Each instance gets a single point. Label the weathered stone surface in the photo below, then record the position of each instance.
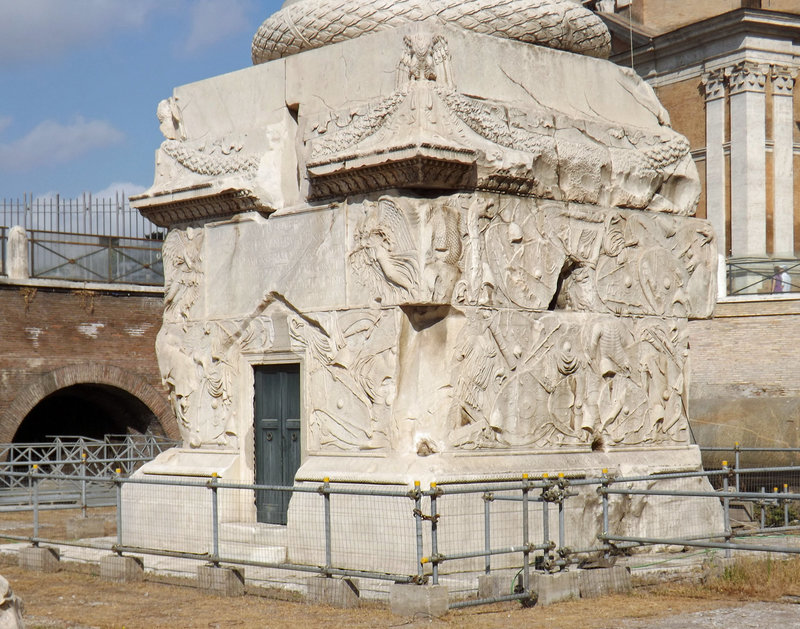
(604, 581)
(221, 581)
(418, 600)
(120, 568)
(335, 592)
(10, 607)
(41, 558)
(481, 254)
(554, 588)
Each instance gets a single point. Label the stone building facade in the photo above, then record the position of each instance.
(726, 72)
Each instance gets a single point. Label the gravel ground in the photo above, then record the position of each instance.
(748, 616)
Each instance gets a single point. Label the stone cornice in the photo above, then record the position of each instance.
(682, 44)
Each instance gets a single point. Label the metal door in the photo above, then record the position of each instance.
(277, 433)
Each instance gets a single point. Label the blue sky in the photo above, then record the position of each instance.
(80, 81)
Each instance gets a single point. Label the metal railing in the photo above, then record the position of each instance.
(87, 215)
(761, 275)
(95, 258)
(532, 511)
(78, 468)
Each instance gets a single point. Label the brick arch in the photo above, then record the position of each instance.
(87, 373)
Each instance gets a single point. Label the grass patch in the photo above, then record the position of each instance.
(746, 578)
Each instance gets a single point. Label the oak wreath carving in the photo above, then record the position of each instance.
(307, 24)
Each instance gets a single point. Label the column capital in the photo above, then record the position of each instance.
(714, 83)
(748, 76)
(783, 79)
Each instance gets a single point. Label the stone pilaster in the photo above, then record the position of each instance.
(716, 179)
(748, 159)
(782, 159)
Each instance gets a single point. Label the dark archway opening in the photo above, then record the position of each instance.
(87, 410)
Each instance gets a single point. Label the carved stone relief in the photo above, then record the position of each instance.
(522, 148)
(309, 24)
(408, 251)
(514, 252)
(183, 272)
(200, 364)
(351, 365)
(556, 380)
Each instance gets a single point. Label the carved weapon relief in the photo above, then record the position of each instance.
(351, 364)
(537, 255)
(550, 381)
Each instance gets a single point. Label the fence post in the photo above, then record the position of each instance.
(212, 485)
(562, 483)
(526, 577)
(726, 508)
(416, 494)
(83, 484)
(488, 498)
(736, 465)
(118, 482)
(785, 506)
(546, 521)
(604, 481)
(35, 475)
(434, 534)
(763, 510)
(326, 494)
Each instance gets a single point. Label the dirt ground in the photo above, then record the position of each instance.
(80, 600)
(77, 598)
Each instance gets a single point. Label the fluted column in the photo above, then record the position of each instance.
(748, 160)
(783, 160)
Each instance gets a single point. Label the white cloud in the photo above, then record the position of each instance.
(35, 29)
(125, 188)
(51, 142)
(212, 21)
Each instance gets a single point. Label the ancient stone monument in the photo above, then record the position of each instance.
(433, 240)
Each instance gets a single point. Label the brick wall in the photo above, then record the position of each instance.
(54, 337)
(745, 374)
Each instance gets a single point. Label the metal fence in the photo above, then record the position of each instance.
(422, 535)
(78, 469)
(760, 275)
(87, 240)
(87, 215)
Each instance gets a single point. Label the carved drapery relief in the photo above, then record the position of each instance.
(183, 272)
(200, 363)
(522, 149)
(351, 364)
(569, 380)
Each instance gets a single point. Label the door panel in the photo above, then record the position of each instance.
(277, 434)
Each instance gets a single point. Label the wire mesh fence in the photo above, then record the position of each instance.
(428, 534)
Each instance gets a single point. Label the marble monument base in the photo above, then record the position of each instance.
(378, 533)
